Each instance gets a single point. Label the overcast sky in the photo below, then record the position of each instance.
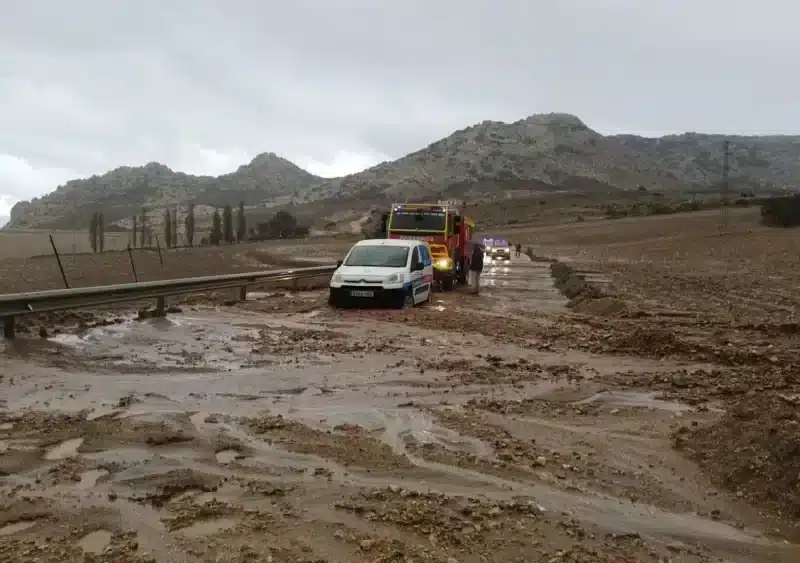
(339, 85)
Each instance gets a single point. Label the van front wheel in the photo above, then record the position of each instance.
(407, 301)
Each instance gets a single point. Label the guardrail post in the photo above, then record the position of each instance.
(9, 327)
(161, 307)
(243, 293)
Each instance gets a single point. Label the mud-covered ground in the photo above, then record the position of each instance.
(500, 428)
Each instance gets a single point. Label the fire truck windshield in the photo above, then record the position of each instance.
(418, 220)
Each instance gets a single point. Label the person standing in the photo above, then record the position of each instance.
(476, 267)
(519, 249)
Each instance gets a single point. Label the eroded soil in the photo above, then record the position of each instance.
(498, 428)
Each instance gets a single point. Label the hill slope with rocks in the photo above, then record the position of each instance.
(541, 152)
(125, 191)
(559, 150)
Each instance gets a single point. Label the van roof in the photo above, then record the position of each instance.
(388, 242)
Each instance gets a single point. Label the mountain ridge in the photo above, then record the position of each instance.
(539, 151)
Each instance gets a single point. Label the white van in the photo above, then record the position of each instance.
(394, 272)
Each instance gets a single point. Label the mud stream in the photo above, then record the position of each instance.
(197, 431)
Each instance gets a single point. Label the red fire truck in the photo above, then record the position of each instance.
(444, 227)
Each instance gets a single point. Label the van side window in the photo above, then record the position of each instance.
(415, 256)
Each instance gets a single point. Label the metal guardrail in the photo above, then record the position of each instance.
(18, 304)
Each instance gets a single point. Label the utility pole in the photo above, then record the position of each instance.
(725, 187)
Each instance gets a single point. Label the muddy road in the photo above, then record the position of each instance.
(473, 429)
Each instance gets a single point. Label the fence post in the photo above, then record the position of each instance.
(58, 259)
(133, 266)
(161, 306)
(158, 247)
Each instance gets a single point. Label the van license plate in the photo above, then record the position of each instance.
(362, 293)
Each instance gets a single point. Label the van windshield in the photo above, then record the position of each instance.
(383, 256)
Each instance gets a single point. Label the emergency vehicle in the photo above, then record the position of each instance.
(446, 230)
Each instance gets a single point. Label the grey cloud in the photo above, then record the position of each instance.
(88, 85)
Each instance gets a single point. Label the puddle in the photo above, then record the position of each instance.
(89, 478)
(208, 527)
(17, 526)
(96, 542)
(256, 295)
(226, 456)
(633, 399)
(198, 419)
(100, 412)
(64, 450)
(395, 427)
(311, 314)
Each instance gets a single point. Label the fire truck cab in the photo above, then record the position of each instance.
(446, 230)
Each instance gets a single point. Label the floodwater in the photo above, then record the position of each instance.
(95, 542)
(208, 527)
(89, 478)
(523, 283)
(194, 382)
(16, 527)
(633, 399)
(226, 456)
(64, 450)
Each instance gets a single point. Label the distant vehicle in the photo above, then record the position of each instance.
(497, 249)
(387, 272)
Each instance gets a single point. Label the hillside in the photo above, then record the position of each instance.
(547, 150)
(124, 191)
(541, 152)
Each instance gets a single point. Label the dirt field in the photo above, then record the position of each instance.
(646, 411)
(24, 243)
(41, 272)
(686, 263)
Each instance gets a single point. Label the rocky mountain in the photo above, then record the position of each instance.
(559, 150)
(125, 191)
(543, 151)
